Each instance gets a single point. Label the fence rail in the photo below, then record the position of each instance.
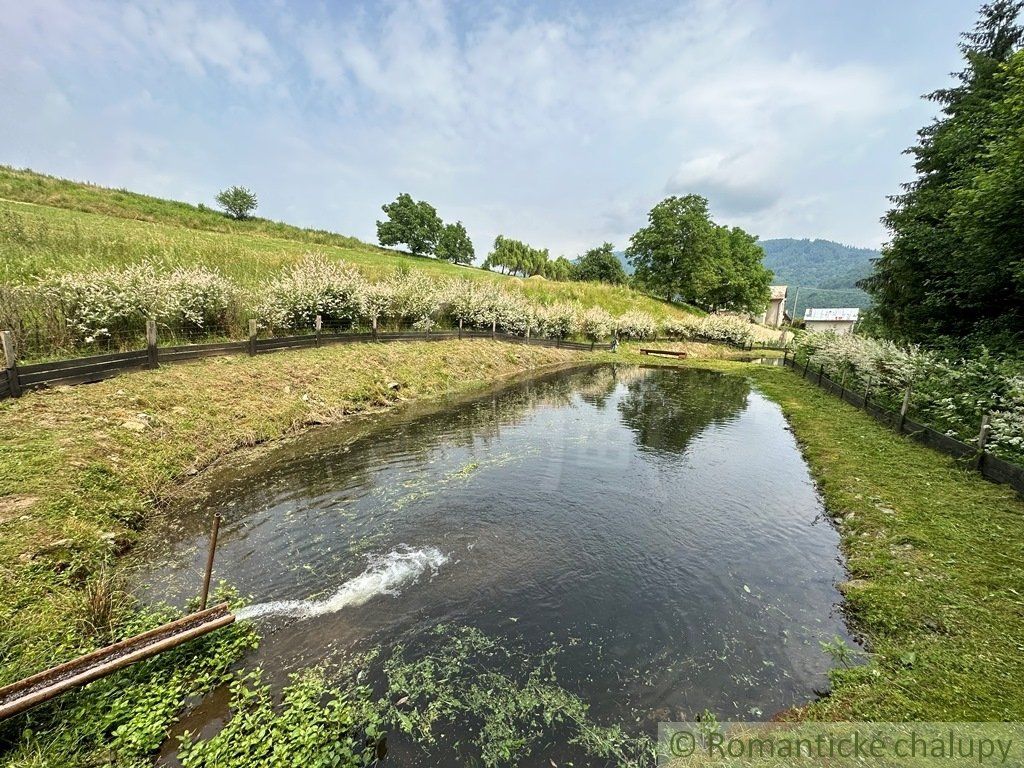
(991, 467)
(16, 378)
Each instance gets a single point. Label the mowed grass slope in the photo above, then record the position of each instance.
(49, 224)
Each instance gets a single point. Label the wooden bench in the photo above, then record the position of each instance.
(666, 352)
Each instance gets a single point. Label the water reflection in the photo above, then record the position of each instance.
(666, 411)
(659, 524)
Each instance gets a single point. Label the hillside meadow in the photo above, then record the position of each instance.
(54, 225)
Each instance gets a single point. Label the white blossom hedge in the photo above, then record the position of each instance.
(117, 302)
(114, 304)
(950, 394)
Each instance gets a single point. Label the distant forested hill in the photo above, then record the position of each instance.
(825, 271)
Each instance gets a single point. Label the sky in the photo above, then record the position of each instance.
(556, 123)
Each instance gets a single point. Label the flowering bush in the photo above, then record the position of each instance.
(559, 320)
(678, 328)
(950, 394)
(724, 328)
(117, 302)
(311, 287)
(597, 324)
(637, 325)
(479, 304)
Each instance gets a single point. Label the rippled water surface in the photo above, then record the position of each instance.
(661, 524)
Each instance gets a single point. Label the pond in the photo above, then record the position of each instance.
(658, 525)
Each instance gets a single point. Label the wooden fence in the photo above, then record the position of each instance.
(15, 378)
(991, 467)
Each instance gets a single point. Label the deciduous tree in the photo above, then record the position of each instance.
(237, 202)
(600, 265)
(454, 244)
(414, 224)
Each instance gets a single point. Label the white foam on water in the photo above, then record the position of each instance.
(384, 575)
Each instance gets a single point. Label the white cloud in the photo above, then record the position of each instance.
(560, 127)
(519, 104)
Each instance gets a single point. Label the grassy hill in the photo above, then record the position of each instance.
(825, 271)
(51, 224)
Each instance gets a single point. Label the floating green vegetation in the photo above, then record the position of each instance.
(346, 730)
(506, 700)
(510, 699)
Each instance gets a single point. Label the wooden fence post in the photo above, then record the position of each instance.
(821, 372)
(903, 410)
(460, 328)
(807, 364)
(209, 562)
(11, 364)
(374, 328)
(867, 393)
(151, 353)
(785, 358)
(494, 328)
(318, 324)
(842, 387)
(252, 337)
(982, 442)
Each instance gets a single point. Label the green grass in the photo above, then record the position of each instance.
(49, 224)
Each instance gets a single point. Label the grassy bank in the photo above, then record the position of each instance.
(935, 556)
(936, 561)
(86, 467)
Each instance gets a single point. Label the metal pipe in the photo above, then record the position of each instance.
(209, 562)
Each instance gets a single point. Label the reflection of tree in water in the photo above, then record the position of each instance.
(667, 409)
(598, 385)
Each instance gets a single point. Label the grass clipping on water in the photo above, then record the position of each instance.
(511, 700)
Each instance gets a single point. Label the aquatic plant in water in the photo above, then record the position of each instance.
(512, 697)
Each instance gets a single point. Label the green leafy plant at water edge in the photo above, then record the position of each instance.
(122, 720)
(512, 698)
(344, 731)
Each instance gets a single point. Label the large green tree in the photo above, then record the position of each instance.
(740, 280)
(672, 255)
(952, 267)
(683, 254)
(454, 244)
(600, 265)
(559, 269)
(414, 224)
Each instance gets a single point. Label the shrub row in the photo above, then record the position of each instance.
(952, 394)
(83, 309)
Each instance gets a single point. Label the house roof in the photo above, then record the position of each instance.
(842, 314)
(778, 292)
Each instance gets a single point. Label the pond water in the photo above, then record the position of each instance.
(659, 524)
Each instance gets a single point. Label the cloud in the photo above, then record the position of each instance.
(192, 37)
(741, 183)
(560, 125)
